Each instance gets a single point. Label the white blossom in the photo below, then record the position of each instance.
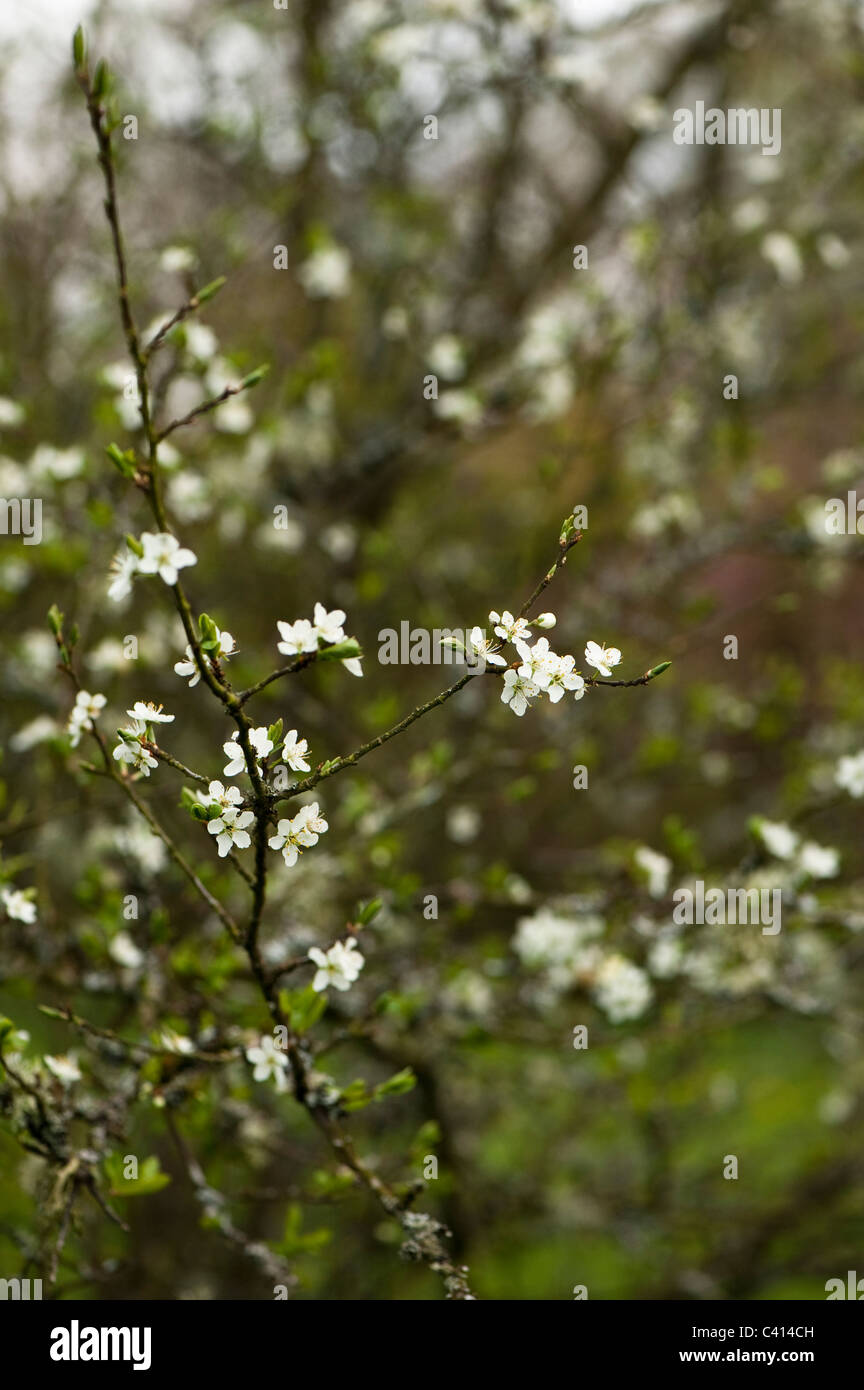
(818, 861)
(124, 567)
(86, 708)
(164, 555)
(602, 658)
(484, 648)
(328, 626)
(230, 830)
(518, 691)
(539, 663)
(269, 1062)
(294, 751)
(510, 628)
(174, 1042)
(657, 867)
(123, 949)
(339, 967)
(849, 774)
(65, 1069)
(622, 990)
(218, 795)
(149, 713)
(18, 905)
(545, 620)
(133, 752)
(326, 274)
(565, 678)
(297, 637)
(260, 742)
(778, 838)
(175, 259)
(298, 834)
(189, 666)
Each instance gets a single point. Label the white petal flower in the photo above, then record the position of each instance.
(294, 751)
(259, 741)
(328, 626)
(510, 628)
(164, 555)
(484, 648)
(269, 1062)
(217, 795)
(849, 774)
(339, 967)
(123, 949)
(230, 829)
(539, 663)
(87, 707)
(297, 637)
(778, 839)
(188, 667)
(546, 620)
(602, 658)
(326, 274)
(149, 713)
(621, 989)
(565, 678)
(818, 861)
(134, 753)
(518, 692)
(124, 567)
(657, 868)
(175, 259)
(65, 1069)
(18, 905)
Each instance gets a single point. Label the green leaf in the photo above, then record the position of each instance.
(254, 377)
(294, 1242)
(303, 1007)
(274, 733)
(101, 79)
(55, 620)
(340, 650)
(150, 1177)
(397, 1085)
(366, 913)
(210, 290)
(124, 462)
(355, 1096)
(79, 48)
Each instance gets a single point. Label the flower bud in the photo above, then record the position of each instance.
(545, 620)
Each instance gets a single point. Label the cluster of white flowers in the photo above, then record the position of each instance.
(567, 950)
(622, 990)
(849, 774)
(261, 743)
(18, 904)
(131, 748)
(85, 710)
(324, 630)
(339, 967)
(299, 833)
(162, 554)
(810, 860)
(230, 826)
(189, 666)
(542, 671)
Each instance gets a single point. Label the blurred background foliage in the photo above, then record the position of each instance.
(304, 128)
